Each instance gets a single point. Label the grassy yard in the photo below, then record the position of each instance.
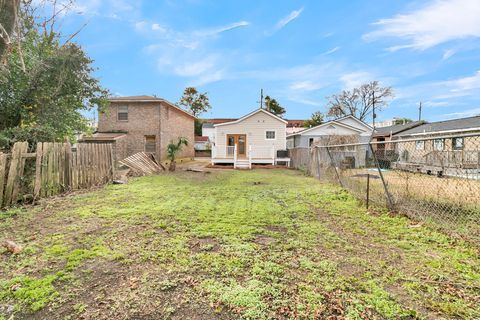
(258, 244)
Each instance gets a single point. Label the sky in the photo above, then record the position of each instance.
(298, 52)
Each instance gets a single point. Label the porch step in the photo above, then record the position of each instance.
(243, 164)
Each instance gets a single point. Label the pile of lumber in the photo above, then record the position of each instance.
(142, 163)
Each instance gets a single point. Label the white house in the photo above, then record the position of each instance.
(254, 138)
(348, 126)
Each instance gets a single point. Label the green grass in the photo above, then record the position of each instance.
(255, 244)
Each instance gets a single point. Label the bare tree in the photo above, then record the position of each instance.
(359, 101)
(8, 20)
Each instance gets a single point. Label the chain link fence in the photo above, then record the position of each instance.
(435, 180)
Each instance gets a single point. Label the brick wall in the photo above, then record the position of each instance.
(177, 124)
(149, 119)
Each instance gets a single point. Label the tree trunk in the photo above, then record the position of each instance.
(173, 166)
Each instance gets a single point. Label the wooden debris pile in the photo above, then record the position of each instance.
(142, 163)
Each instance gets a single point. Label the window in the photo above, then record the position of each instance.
(420, 145)
(122, 114)
(270, 135)
(438, 144)
(310, 142)
(381, 146)
(150, 144)
(457, 143)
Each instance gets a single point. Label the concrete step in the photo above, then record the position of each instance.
(243, 164)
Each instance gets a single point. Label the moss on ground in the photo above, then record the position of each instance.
(252, 244)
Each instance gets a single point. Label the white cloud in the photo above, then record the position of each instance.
(326, 53)
(463, 114)
(461, 87)
(218, 30)
(443, 93)
(209, 77)
(305, 86)
(448, 54)
(188, 54)
(354, 79)
(195, 68)
(285, 20)
(308, 102)
(438, 22)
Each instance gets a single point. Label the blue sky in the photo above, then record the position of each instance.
(299, 52)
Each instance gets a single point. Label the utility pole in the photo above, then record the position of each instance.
(420, 111)
(261, 98)
(373, 109)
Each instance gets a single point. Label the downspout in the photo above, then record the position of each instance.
(160, 132)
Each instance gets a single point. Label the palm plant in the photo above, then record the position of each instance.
(173, 149)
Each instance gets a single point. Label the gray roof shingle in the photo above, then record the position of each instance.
(448, 125)
(397, 128)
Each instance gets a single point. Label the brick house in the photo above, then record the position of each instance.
(148, 123)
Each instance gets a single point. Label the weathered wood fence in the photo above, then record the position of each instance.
(55, 168)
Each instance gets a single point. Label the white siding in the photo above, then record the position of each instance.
(254, 127)
(356, 124)
(210, 133)
(331, 129)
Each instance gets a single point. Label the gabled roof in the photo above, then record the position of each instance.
(219, 120)
(455, 125)
(295, 123)
(366, 125)
(145, 98)
(397, 128)
(201, 138)
(251, 114)
(336, 122)
(208, 123)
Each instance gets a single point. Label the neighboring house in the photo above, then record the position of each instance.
(202, 143)
(254, 138)
(343, 130)
(294, 126)
(346, 126)
(442, 147)
(148, 123)
(386, 134)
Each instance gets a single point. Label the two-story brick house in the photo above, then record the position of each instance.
(148, 123)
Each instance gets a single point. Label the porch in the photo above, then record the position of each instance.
(243, 157)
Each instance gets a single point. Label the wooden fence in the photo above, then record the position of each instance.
(54, 169)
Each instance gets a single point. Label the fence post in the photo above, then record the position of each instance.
(68, 165)
(15, 172)
(377, 164)
(368, 189)
(318, 161)
(38, 171)
(3, 166)
(334, 166)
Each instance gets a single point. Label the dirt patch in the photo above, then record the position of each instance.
(204, 244)
(263, 240)
(275, 228)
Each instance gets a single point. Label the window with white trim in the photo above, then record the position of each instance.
(122, 113)
(457, 143)
(420, 145)
(438, 144)
(270, 135)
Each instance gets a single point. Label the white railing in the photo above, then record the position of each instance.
(234, 156)
(262, 152)
(223, 152)
(253, 153)
(250, 156)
